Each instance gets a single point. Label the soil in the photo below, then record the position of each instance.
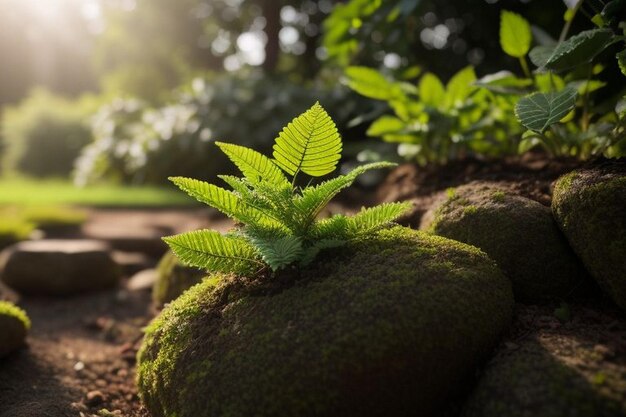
(80, 357)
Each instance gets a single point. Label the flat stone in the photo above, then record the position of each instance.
(133, 262)
(60, 267)
(142, 280)
(146, 241)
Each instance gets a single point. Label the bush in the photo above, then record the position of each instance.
(139, 144)
(44, 134)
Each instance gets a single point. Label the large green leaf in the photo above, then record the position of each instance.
(431, 90)
(540, 110)
(371, 83)
(579, 49)
(310, 143)
(213, 251)
(504, 82)
(539, 55)
(385, 125)
(515, 34)
(459, 87)
(255, 166)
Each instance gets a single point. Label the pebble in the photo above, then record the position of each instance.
(94, 398)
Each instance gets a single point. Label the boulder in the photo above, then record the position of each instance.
(572, 370)
(590, 208)
(389, 326)
(518, 233)
(60, 267)
(14, 325)
(173, 278)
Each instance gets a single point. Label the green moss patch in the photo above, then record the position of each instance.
(14, 325)
(387, 326)
(518, 233)
(590, 208)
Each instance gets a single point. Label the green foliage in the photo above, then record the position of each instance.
(277, 221)
(45, 133)
(579, 49)
(539, 111)
(433, 122)
(515, 35)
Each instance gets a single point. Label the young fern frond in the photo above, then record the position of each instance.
(310, 143)
(278, 224)
(371, 219)
(255, 166)
(213, 251)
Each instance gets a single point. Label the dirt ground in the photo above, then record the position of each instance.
(80, 358)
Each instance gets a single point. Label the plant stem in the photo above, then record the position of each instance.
(525, 68)
(568, 24)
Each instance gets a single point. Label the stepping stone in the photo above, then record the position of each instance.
(146, 241)
(133, 262)
(142, 280)
(60, 267)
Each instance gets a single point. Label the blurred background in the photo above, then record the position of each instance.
(103, 94)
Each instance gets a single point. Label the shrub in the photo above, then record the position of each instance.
(277, 219)
(45, 133)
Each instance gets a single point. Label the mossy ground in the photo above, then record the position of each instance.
(518, 233)
(589, 206)
(388, 326)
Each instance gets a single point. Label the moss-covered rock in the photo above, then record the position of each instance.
(518, 233)
(590, 207)
(14, 325)
(173, 279)
(389, 326)
(551, 375)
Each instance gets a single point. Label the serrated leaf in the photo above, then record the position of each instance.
(431, 90)
(370, 83)
(538, 111)
(310, 143)
(213, 251)
(279, 252)
(515, 34)
(539, 55)
(312, 251)
(255, 166)
(373, 218)
(384, 125)
(579, 49)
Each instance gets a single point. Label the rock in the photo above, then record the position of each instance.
(14, 325)
(552, 374)
(142, 280)
(94, 398)
(518, 233)
(60, 267)
(590, 207)
(390, 326)
(173, 279)
(133, 262)
(147, 241)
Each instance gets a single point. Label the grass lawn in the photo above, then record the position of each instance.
(24, 191)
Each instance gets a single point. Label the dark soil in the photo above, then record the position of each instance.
(531, 176)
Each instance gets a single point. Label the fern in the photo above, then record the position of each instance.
(277, 221)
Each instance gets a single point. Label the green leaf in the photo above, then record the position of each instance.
(431, 90)
(515, 34)
(212, 251)
(219, 198)
(579, 49)
(621, 61)
(279, 252)
(539, 55)
(384, 125)
(538, 111)
(310, 143)
(312, 251)
(504, 82)
(314, 199)
(371, 83)
(255, 166)
(373, 218)
(459, 88)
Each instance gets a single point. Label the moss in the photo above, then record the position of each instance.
(14, 325)
(519, 234)
(589, 207)
(173, 279)
(355, 334)
(550, 375)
